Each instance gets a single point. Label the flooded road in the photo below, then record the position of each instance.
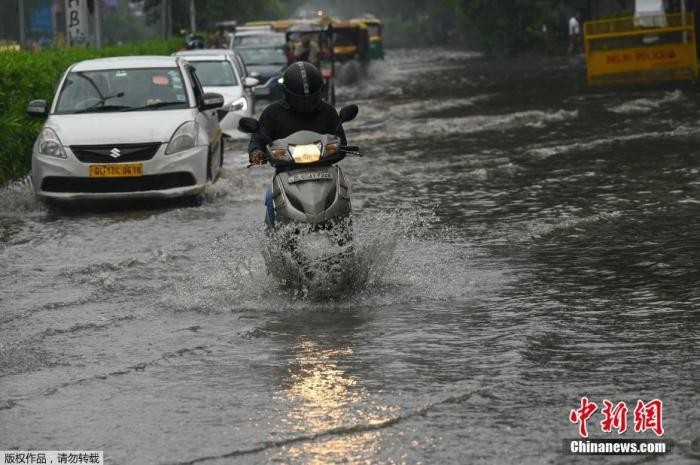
(523, 241)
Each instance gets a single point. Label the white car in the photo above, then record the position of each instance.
(127, 127)
(222, 71)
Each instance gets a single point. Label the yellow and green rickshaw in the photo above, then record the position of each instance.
(375, 30)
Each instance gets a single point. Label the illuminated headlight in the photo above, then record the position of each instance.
(280, 81)
(240, 104)
(49, 144)
(184, 137)
(306, 153)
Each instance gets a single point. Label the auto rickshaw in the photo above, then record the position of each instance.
(350, 41)
(322, 34)
(375, 29)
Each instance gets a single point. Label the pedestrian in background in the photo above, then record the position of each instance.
(307, 50)
(575, 33)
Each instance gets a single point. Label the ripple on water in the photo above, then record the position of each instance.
(606, 141)
(425, 127)
(646, 104)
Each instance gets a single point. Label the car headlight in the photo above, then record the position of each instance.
(280, 81)
(49, 144)
(240, 104)
(184, 137)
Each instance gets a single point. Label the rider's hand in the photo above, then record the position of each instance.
(257, 157)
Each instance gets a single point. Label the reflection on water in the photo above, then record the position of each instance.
(324, 399)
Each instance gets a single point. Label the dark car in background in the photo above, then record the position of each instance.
(264, 52)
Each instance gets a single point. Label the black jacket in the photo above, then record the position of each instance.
(278, 121)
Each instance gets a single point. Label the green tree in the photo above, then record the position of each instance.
(211, 11)
(507, 26)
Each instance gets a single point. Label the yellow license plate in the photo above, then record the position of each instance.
(122, 170)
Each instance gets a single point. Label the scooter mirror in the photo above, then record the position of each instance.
(348, 113)
(249, 125)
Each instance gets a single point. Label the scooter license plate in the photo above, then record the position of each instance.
(312, 176)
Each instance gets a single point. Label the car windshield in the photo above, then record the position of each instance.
(217, 73)
(259, 40)
(122, 89)
(263, 56)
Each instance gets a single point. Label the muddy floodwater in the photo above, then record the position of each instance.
(522, 241)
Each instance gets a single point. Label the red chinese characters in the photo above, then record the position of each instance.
(648, 416)
(582, 415)
(614, 417)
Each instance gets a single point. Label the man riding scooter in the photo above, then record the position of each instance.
(301, 109)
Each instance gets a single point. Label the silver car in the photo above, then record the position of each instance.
(222, 71)
(127, 127)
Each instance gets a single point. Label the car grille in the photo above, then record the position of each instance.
(107, 185)
(125, 152)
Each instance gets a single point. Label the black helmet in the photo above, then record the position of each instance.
(194, 42)
(302, 84)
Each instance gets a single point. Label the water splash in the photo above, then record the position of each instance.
(18, 199)
(236, 275)
(342, 269)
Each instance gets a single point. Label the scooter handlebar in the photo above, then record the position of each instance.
(344, 149)
(350, 150)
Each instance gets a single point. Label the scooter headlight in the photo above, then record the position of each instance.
(309, 153)
(49, 144)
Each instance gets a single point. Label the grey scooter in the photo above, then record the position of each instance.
(308, 188)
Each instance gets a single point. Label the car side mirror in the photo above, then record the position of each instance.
(254, 74)
(38, 108)
(348, 113)
(249, 125)
(211, 100)
(250, 81)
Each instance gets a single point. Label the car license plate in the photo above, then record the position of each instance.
(312, 176)
(121, 170)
